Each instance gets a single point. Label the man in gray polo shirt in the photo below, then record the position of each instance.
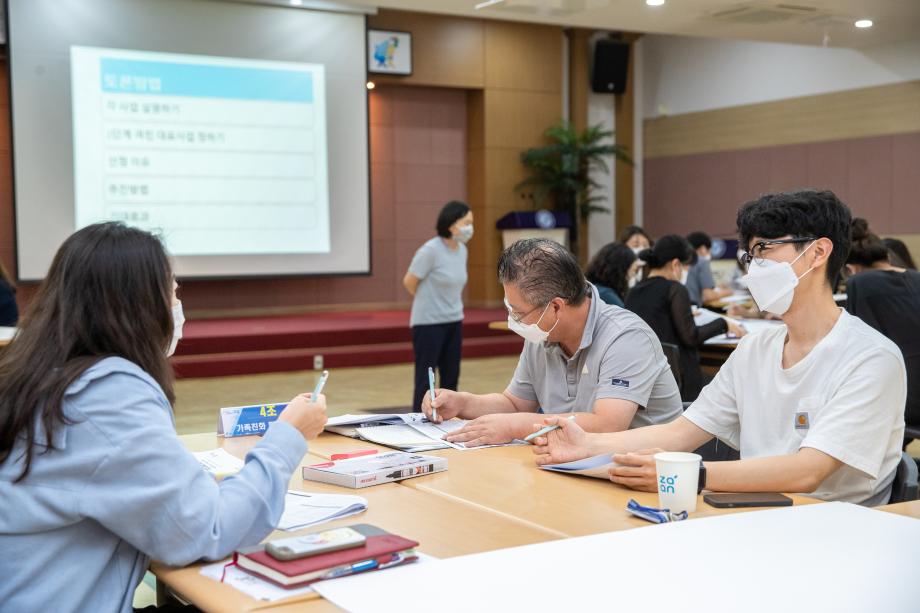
(582, 357)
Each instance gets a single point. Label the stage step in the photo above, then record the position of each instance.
(293, 359)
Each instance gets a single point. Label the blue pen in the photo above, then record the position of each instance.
(351, 570)
(544, 430)
(319, 385)
(434, 411)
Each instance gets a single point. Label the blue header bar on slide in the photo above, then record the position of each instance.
(205, 81)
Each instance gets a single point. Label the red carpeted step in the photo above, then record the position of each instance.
(211, 336)
(281, 360)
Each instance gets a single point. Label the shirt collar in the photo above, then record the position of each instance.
(587, 337)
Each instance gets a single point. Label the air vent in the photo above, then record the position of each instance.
(763, 13)
(546, 8)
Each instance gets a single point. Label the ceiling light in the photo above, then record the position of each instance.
(654, 2)
(296, 2)
(863, 23)
(487, 3)
(370, 85)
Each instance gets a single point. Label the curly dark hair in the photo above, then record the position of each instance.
(610, 267)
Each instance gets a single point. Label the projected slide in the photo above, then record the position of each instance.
(223, 156)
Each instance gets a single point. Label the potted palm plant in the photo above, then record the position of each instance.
(561, 171)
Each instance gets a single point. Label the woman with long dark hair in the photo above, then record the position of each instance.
(93, 479)
(664, 303)
(887, 297)
(435, 279)
(613, 270)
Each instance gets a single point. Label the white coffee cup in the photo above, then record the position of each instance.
(678, 477)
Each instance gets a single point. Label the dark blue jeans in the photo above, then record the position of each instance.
(437, 346)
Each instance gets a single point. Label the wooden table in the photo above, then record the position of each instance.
(910, 509)
(487, 499)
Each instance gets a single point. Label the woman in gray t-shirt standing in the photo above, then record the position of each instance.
(436, 278)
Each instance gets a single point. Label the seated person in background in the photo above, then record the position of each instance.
(887, 298)
(663, 302)
(635, 238)
(581, 357)
(9, 311)
(613, 270)
(815, 406)
(700, 284)
(93, 479)
(899, 254)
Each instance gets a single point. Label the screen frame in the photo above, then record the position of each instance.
(207, 277)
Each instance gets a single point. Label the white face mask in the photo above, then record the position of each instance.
(638, 250)
(632, 281)
(684, 275)
(464, 234)
(529, 332)
(706, 258)
(772, 284)
(178, 321)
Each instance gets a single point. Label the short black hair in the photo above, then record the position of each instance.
(630, 231)
(699, 239)
(450, 213)
(667, 248)
(865, 247)
(799, 213)
(542, 270)
(610, 267)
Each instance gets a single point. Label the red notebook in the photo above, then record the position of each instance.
(382, 550)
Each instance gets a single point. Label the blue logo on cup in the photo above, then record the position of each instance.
(666, 484)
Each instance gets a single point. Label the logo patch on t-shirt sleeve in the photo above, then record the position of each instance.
(619, 383)
(801, 421)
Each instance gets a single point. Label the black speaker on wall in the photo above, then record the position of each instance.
(610, 67)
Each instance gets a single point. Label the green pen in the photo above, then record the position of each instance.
(434, 411)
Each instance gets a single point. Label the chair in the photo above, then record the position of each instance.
(905, 486)
(672, 353)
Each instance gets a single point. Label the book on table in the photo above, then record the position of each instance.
(374, 469)
(381, 550)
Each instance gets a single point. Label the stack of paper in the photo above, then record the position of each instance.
(410, 432)
(302, 509)
(219, 463)
(597, 467)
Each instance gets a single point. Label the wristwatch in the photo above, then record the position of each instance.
(701, 484)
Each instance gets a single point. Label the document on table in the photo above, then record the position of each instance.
(752, 326)
(252, 586)
(853, 559)
(218, 462)
(597, 467)
(302, 509)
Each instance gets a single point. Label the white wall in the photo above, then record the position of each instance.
(684, 75)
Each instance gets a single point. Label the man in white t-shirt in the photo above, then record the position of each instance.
(815, 406)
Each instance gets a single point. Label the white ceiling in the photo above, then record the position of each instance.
(792, 21)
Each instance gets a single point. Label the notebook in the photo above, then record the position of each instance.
(302, 509)
(597, 467)
(382, 550)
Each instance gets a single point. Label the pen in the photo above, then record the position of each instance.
(319, 385)
(434, 411)
(544, 430)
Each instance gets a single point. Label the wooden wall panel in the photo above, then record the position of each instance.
(877, 177)
(523, 57)
(872, 111)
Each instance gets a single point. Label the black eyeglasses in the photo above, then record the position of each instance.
(756, 252)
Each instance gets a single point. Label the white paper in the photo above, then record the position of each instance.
(735, 298)
(701, 317)
(753, 326)
(252, 586)
(354, 582)
(7, 333)
(218, 462)
(401, 437)
(302, 509)
(597, 467)
(351, 420)
(833, 557)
